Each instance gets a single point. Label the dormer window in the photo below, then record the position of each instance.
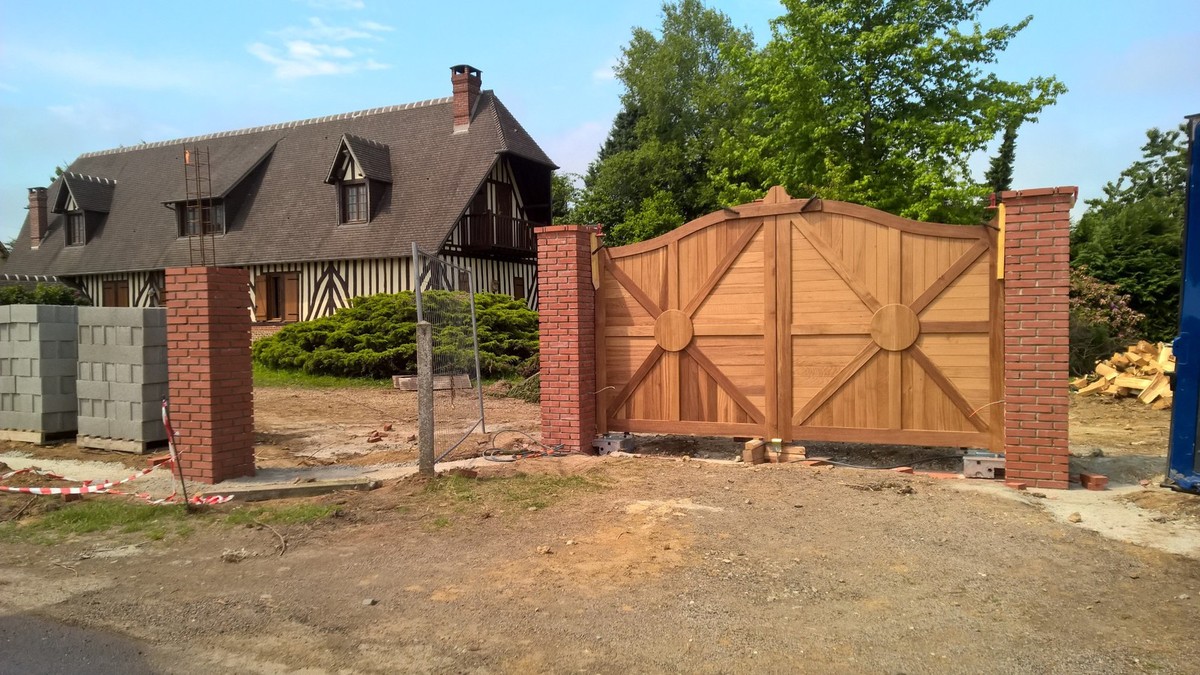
(194, 220)
(76, 229)
(355, 203)
(362, 174)
(84, 202)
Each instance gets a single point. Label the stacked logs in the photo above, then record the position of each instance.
(1142, 370)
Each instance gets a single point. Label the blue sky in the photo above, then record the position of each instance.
(82, 76)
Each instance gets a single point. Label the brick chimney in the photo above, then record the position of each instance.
(39, 216)
(466, 81)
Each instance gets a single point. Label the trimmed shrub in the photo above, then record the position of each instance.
(42, 294)
(376, 336)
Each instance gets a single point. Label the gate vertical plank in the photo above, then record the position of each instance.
(783, 329)
(996, 346)
(602, 390)
(671, 359)
(771, 326)
(897, 263)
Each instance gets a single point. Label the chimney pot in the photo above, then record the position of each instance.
(39, 216)
(466, 82)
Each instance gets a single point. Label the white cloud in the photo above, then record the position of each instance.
(300, 58)
(319, 30)
(115, 69)
(314, 49)
(606, 72)
(375, 26)
(336, 4)
(576, 147)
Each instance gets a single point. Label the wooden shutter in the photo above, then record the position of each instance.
(291, 296)
(518, 288)
(108, 294)
(122, 291)
(260, 297)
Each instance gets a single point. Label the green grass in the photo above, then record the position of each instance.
(272, 377)
(294, 514)
(100, 515)
(526, 491)
(541, 491)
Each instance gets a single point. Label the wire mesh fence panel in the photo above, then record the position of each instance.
(446, 300)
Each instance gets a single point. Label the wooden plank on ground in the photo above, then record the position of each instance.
(1159, 385)
(1093, 388)
(1131, 382)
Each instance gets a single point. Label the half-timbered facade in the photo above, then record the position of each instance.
(316, 211)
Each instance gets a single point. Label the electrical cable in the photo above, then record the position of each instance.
(497, 454)
(925, 460)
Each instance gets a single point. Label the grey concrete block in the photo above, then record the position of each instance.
(92, 389)
(28, 385)
(125, 392)
(59, 404)
(93, 426)
(22, 367)
(23, 313)
(148, 431)
(8, 384)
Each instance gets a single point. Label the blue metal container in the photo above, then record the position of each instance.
(1183, 463)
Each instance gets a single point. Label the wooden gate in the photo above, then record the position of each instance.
(804, 320)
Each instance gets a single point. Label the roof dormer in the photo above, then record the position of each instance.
(85, 200)
(361, 171)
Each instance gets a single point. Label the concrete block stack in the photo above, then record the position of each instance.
(122, 377)
(37, 372)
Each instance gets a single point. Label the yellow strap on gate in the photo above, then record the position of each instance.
(1000, 241)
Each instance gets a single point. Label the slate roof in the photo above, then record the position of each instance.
(91, 193)
(373, 158)
(278, 207)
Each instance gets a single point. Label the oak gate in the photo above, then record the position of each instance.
(804, 319)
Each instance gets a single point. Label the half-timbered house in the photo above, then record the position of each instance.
(316, 211)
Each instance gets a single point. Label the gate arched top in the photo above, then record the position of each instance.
(799, 207)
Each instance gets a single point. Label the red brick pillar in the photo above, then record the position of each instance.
(566, 302)
(1037, 255)
(208, 361)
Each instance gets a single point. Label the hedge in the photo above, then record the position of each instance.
(376, 336)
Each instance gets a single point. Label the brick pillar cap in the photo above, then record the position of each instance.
(550, 229)
(1012, 195)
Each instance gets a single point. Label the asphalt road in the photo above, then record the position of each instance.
(31, 645)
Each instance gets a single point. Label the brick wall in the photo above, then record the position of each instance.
(1036, 289)
(568, 336)
(211, 387)
(261, 330)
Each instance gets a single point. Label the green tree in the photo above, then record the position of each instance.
(880, 103)
(1000, 171)
(680, 90)
(564, 195)
(1133, 236)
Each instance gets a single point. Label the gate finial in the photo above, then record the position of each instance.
(777, 195)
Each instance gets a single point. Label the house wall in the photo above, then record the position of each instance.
(145, 288)
(501, 173)
(326, 286)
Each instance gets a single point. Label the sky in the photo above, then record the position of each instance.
(82, 76)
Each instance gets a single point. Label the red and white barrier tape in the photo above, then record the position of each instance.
(103, 487)
(86, 486)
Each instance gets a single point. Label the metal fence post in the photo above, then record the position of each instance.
(425, 397)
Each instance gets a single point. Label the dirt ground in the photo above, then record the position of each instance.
(663, 563)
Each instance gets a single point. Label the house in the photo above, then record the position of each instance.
(316, 211)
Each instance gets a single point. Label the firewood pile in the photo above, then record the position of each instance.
(1142, 370)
